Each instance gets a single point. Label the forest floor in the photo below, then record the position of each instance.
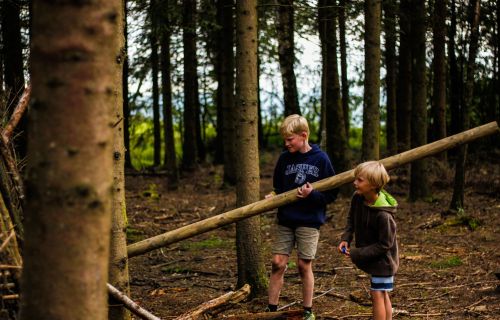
(448, 265)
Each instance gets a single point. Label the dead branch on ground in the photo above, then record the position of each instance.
(131, 305)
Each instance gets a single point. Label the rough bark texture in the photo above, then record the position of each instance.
(336, 137)
(189, 145)
(70, 167)
(153, 16)
(419, 184)
(118, 260)
(390, 78)
(170, 158)
(371, 104)
(457, 201)
(286, 54)
(455, 77)
(404, 77)
(343, 66)
(439, 66)
(251, 268)
(225, 90)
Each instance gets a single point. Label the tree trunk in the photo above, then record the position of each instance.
(251, 268)
(371, 105)
(457, 201)
(404, 107)
(336, 138)
(343, 66)
(225, 74)
(419, 185)
(190, 143)
(455, 78)
(390, 78)
(126, 106)
(286, 48)
(170, 159)
(439, 64)
(118, 260)
(153, 15)
(70, 170)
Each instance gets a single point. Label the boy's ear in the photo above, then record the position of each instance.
(303, 134)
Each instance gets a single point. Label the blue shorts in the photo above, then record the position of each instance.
(382, 283)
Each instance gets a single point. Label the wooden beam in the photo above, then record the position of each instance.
(264, 205)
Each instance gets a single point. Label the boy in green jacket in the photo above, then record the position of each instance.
(371, 223)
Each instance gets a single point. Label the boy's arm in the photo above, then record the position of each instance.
(347, 236)
(387, 238)
(327, 196)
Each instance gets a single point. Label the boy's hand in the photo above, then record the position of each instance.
(305, 190)
(344, 248)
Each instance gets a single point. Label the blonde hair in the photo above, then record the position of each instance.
(294, 124)
(374, 172)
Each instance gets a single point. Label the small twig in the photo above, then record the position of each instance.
(6, 241)
(131, 305)
(10, 297)
(320, 295)
(17, 114)
(6, 266)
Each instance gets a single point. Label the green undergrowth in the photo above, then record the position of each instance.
(447, 263)
(134, 235)
(211, 243)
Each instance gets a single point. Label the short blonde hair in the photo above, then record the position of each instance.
(294, 124)
(374, 172)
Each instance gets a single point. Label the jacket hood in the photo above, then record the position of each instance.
(385, 202)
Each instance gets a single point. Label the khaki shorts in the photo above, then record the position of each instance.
(303, 238)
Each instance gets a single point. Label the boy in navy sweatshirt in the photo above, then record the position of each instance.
(298, 223)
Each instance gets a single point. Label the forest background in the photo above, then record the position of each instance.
(374, 78)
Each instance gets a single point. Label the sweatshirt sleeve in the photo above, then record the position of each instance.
(387, 237)
(278, 176)
(348, 234)
(328, 196)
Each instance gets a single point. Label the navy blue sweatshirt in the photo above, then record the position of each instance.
(294, 170)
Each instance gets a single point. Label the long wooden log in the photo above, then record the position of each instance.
(18, 113)
(264, 205)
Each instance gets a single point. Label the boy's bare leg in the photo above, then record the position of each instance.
(388, 306)
(279, 263)
(378, 300)
(307, 277)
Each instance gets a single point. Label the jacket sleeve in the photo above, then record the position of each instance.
(348, 234)
(328, 196)
(278, 177)
(386, 239)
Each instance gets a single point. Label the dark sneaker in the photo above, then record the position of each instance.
(308, 315)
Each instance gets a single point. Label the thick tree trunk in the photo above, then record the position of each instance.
(343, 66)
(126, 108)
(190, 143)
(225, 73)
(371, 114)
(457, 201)
(419, 184)
(251, 267)
(153, 16)
(390, 78)
(336, 137)
(286, 54)
(455, 78)
(264, 205)
(404, 107)
(170, 158)
(118, 260)
(70, 168)
(439, 64)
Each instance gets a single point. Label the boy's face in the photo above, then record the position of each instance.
(363, 186)
(296, 142)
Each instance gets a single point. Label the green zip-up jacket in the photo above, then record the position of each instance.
(374, 230)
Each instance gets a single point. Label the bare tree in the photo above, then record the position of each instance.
(70, 167)
(251, 267)
(390, 78)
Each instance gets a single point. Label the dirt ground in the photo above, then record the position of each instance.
(448, 265)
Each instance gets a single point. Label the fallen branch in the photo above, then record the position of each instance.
(6, 241)
(217, 305)
(21, 107)
(280, 315)
(131, 305)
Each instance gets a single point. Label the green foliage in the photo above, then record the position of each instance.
(211, 243)
(291, 265)
(447, 263)
(175, 269)
(463, 219)
(151, 192)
